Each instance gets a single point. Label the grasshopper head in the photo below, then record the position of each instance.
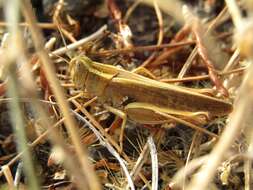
(79, 70)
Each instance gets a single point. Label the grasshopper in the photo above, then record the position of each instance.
(144, 100)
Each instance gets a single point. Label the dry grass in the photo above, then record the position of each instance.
(63, 132)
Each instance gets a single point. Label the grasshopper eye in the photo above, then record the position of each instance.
(78, 73)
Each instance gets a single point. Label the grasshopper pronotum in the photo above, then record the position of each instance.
(144, 100)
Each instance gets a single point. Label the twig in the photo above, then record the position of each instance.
(43, 79)
(160, 34)
(34, 143)
(248, 174)
(105, 143)
(18, 174)
(68, 158)
(58, 22)
(19, 126)
(70, 124)
(194, 52)
(172, 8)
(57, 184)
(182, 33)
(197, 30)
(8, 176)
(140, 161)
(58, 8)
(108, 137)
(79, 43)
(235, 13)
(176, 181)
(236, 124)
(124, 32)
(203, 77)
(232, 61)
(12, 57)
(37, 140)
(49, 26)
(131, 9)
(141, 48)
(154, 159)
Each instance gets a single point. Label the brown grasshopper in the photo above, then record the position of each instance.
(142, 99)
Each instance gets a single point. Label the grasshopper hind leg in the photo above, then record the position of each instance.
(150, 114)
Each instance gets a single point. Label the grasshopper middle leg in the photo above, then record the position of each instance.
(123, 116)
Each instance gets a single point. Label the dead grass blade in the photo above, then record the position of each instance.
(237, 120)
(49, 71)
(202, 50)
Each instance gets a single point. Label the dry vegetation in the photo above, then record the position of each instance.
(60, 128)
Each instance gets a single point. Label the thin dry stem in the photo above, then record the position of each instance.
(194, 52)
(176, 181)
(160, 34)
(182, 33)
(131, 9)
(142, 48)
(172, 8)
(140, 161)
(79, 43)
(236, 123)
(49, 71)
(154, 160)
(49, 26)
(37, 141)
(124, 32)
(204, 77)
(8, 177)
(107, 136)
(58, 22)
(13, 57)
(247, 174)
(188, 158)
(235, 13)
(202, 50)
(19, 126)
(18, 174)
(110, 148)
(233, 61)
